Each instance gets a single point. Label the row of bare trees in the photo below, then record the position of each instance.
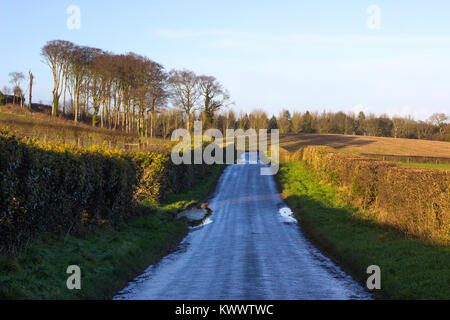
(126, 91)
(16, 79)
(435, 127)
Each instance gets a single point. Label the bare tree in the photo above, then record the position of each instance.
(96, 76)
(16, 79)
(31, 77)
(258, 119)
(77, 70)
(297, 122)
(186, 92)
(18, 93)
(230, 122)
(285, 122)
(215, 97)
(158, 92)
(6, 92)
(56, 55)
(439, 120)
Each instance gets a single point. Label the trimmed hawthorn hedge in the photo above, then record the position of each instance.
(159, 177)
(58, 189)
(415, 201)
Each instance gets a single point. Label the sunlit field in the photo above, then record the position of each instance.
(368, 145)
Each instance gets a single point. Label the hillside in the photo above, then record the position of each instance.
(41, 126)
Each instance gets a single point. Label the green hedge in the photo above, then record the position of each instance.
(58, 189)
(159, 177)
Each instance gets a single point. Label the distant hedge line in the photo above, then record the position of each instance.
(415, 201)
(57, 189)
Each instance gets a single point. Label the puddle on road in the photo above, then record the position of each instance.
(306, 274)
(204, 223)
(248, 158)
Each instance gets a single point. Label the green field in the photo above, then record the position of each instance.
(444, 166)
(410, 269)
(108, 258)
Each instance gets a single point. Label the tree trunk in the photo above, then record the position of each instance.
(31, 90)
(55, 104)
(64, 97)
(188, 121)
(76, 103)
(102, 111)
(151, 124)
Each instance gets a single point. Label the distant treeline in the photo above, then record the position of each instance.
(134, 94)
(12, 99)
(435, 128)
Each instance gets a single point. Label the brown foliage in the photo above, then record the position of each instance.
(415, 201)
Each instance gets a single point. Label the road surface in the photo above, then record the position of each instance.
(250, 249)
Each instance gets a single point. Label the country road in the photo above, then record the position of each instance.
(250, 249)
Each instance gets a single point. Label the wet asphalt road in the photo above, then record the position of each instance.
(251, 249)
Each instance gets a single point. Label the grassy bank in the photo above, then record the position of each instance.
(59, 130)
(108, 259)
(410, 269)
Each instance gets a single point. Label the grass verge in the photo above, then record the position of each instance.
(410, 269)
(443, 166)
(108, 260)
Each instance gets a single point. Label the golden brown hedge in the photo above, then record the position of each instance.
(415, 201)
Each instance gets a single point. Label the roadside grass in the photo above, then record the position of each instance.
(410, 269)
(443, 166)
(108, 259)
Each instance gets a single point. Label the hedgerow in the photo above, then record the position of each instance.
(2, 99)
(415, 201)
(159, 177)
(60, 189)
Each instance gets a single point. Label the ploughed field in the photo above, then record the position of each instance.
(368, 145)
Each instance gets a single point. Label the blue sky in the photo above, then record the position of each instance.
(299, 55)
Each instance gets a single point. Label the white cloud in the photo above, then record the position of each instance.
(303, 37)
(405, 111)
(227, 43)
(186, 34)
(301, 71)
(358, 108)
